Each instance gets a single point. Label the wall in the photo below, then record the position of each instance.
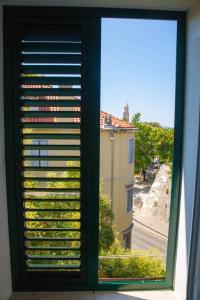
(190, 144)
(114, 163)
(189, 161)
(146, 4)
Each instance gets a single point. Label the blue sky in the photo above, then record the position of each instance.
(138, 62)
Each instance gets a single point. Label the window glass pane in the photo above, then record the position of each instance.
(138, 63)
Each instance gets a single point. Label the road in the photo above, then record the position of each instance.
(143, 238)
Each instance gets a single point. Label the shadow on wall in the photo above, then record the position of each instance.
(192, 108)
(76, 296)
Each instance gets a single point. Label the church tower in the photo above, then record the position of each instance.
(126, 113)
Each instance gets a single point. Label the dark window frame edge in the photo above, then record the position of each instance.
(180, 17)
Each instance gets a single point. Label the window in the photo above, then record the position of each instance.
(52, 61)
(131, 150)
(129, 200)
(39, 152)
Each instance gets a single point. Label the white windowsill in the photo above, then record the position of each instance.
(136, 295)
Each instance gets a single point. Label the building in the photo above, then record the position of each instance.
(126, 113)
(117, 170)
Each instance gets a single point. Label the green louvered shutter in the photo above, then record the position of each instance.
(50, 105)
(51, 157)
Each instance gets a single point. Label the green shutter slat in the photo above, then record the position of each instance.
(50, 103)
(43, 248)
(51, 47)
(50, 266)
(50, 114)
(51, 58)
(49, 69)
(53, 239)
(50, 92)
(51, 80)
(52, 169)
(60, 179)
(51, 200)
(49, 136)
(72, 35)
(51, 210)
(52, 229)
(51, 147)
(53, 257)
(51, 125)
(52, 220)
(64, 190)
(51, 158)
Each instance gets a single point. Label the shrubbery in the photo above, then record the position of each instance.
(116, 261)
(135, 265)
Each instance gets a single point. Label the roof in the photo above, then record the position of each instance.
(107, 121)
(115, 122)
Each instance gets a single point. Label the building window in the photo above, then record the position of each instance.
(41, 151)
(53, 206)
(129, 200)
(131, 149)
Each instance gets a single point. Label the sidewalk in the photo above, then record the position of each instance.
(151, 202)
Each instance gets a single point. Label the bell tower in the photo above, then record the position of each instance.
(126, 113)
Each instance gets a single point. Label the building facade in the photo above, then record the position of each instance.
(117, 140)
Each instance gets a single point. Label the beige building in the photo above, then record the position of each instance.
(117, 143)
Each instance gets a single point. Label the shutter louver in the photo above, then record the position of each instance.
(50, 121)
(52, 96)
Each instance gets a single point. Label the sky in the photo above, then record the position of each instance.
(138, 61)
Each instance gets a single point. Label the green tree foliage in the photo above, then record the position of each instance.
(165, 145)
(136, 118)
(152, 140)
(106, 229)
(145, 147)
(116, 261)
(130, 263)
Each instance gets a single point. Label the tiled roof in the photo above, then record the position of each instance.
(40, 108)
(76, 108)
(116, 122)
(104, 116)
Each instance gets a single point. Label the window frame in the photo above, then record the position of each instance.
(16, 12)
(131, 150)
(129, 206)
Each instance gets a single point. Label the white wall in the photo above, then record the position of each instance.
(192, 109)
(189, 164)
(146, 4)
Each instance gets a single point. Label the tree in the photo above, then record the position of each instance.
(145, 149)
(136, 118)
(132, 264)
(107, 233)
(106, 230)
(152, 140)
(166, 145)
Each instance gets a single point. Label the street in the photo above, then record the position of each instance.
(143, 239)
